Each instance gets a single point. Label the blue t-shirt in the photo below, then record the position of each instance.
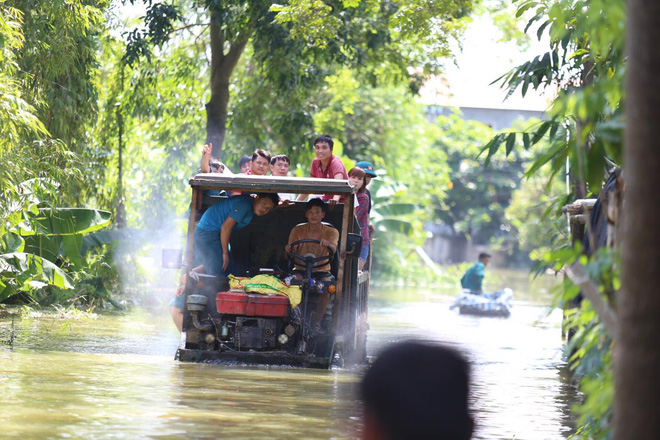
(473, 277)
(239, 208)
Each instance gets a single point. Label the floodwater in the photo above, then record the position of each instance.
(114, 377)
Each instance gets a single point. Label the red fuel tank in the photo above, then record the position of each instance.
(251, 304)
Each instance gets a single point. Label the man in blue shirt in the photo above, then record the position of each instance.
(212, 238)
(474, 276)
(214, 229)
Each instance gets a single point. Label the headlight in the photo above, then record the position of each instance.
(282, 339)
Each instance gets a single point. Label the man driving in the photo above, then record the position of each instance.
(328, 238)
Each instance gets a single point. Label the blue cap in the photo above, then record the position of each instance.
(367, 167)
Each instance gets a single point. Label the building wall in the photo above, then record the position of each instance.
(495, 118)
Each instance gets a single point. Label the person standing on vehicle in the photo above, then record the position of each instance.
(473, 278)
(212, 234)
(260, 163)
(244, 164)
(259, 166)
(370, 173)
(279, 166)
(326, 166)
(210, 164)
(356, 177)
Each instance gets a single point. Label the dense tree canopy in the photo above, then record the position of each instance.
(295, 44)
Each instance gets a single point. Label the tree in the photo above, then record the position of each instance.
(355, 33)
(17, 116)
(637, 400)
(58, 64)
(477, 197)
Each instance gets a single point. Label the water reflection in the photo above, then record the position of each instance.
(114, 377)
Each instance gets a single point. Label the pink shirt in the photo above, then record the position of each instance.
(335, 166)
(362, 215)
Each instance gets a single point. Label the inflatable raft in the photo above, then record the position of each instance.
(487, 304)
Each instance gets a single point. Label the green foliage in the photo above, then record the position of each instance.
(590, 347)
(39, 244)
(504, 17)
(532, 214)
(398, 228)
(58, 66)
(585, 64)
(24, 272)
(477, 197)
(40, 248)
(17, 116)
(295, 45)
(381, 38)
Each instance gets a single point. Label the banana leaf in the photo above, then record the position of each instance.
(12, 243)
(67, 221)
(131, 239)
(43, 246)
(394, 209)
(24, 269)
(393, 225)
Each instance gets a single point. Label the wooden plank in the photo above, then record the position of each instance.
(578, 275)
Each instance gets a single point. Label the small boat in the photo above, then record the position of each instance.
(497, 303)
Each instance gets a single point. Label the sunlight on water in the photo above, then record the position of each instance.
(115, 377)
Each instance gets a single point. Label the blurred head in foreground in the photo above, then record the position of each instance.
(416, 390)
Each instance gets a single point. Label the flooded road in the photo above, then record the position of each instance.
(113, 377)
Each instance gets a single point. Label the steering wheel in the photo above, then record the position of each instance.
(316, 262)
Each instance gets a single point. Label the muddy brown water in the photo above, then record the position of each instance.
(114, 376)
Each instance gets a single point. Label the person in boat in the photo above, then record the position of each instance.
(315, 211)
(212, 235)
(473, 278)
(356, 177)
(326, 166)
(417, 390)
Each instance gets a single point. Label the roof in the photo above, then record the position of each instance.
(276, 184)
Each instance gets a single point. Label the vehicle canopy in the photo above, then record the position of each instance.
(261, 244)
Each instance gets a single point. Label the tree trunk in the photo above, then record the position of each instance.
(121, 209)
(222, 66)
(637, 355)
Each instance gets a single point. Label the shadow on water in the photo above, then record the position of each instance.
(114, 377)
